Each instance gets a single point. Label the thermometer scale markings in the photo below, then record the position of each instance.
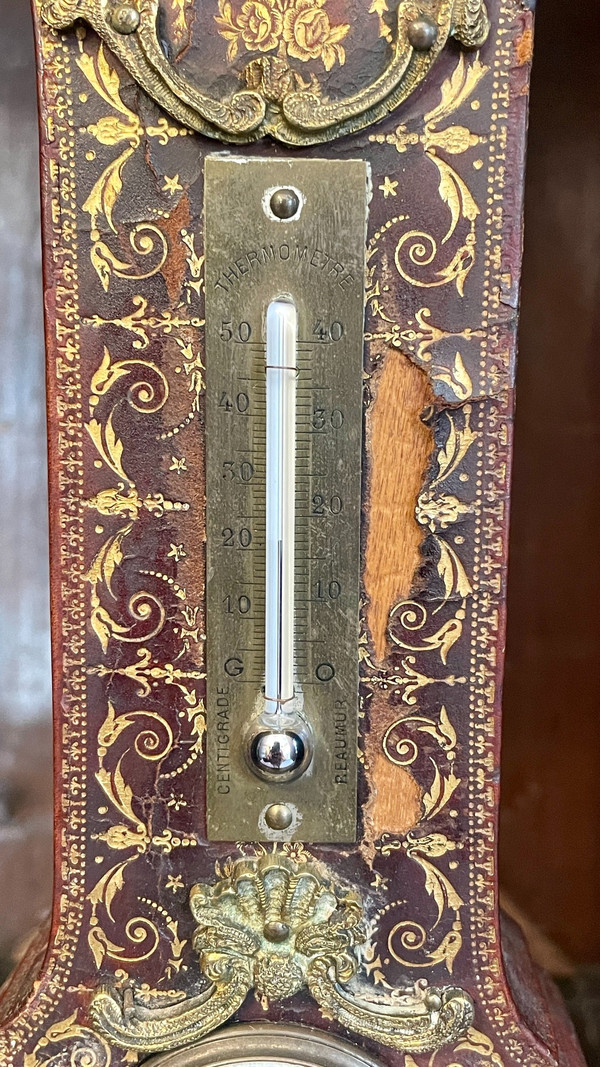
(304, 477)
(264, 639)
(283, 536)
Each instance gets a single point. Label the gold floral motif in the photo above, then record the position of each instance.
(146, 239)
(403, 751)
(417, 337)
(127, 501)
(413, 616)
(278, 925)
(149, 391)
(143, 933)
(147, 394)
(147, 675)
(380, 8)
(143, 321)
(456, 377)
(404, 681)
(144, 672)
(410, 942)
(481, 1045)
(82, 1044)
(196, 715)
(298, 28)
(409, 936)
(195, 283)
(414, 680)
(438, 512)
(153, 741)
(461, 437)
(144, 607)
(181, 11)
(309, 34)
(139, 930)
(416, 249)
(258, 26)
(474, 1043)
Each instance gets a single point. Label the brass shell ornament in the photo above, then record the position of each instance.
(279, 928)
(276, 100)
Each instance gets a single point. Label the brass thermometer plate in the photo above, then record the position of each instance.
(316, 258)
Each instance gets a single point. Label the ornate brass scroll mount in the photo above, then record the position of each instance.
(277, 100)
(279, 927)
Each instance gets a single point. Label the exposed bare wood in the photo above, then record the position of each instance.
(399, 447)
(394, 804)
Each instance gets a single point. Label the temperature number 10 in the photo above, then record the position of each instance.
(239, 604)
(326, 590)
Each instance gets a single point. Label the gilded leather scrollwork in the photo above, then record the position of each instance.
(278, 925)
(275, 99)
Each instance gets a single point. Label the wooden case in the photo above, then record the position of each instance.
(130, 967)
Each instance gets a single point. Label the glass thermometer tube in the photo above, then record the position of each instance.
(281, 369)
(281, 746)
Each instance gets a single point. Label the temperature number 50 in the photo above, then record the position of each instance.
(230, 332)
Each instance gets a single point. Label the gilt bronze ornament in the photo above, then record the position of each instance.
(277, 101)
(277, 927)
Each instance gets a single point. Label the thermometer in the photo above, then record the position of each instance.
(281, 746)
(284, 325)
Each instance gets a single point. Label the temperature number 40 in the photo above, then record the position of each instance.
(324, 332)
(239, 404)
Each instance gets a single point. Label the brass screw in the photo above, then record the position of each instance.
(278, 817)
(124, 18)
(276, 931)
(422, 33)
(284, 203)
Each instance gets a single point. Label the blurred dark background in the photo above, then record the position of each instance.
(550, 819)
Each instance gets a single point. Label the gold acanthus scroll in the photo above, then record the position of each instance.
(276, 101)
